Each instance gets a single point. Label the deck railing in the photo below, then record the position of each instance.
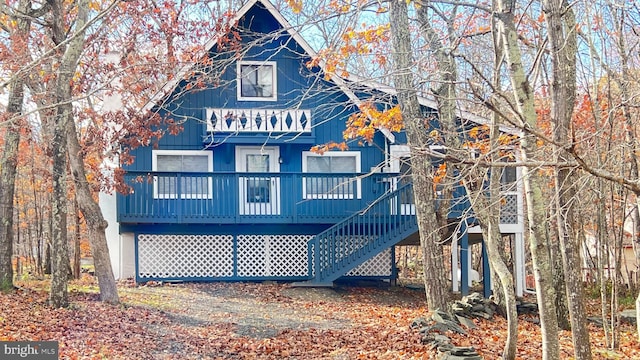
(231, 197)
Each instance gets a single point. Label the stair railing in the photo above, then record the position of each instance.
(361, 236)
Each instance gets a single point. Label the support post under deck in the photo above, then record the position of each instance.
(464, 259)
(486, 272)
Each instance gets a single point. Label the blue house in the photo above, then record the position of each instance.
(239, 195)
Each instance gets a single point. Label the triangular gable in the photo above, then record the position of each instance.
(339, 81)
(181, 75)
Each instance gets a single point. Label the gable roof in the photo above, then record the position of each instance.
(430, 102)
(338, 80)
(184, 70)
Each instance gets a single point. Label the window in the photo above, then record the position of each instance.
(177, 162)
(509, 178)
(257, 81)
(325, 185)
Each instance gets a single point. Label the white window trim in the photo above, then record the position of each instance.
(154, 167)
(356, 154)
(256, 98)
(398, 152)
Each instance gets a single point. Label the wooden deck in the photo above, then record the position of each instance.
(253, 198)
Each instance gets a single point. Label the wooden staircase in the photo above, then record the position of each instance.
(344, 246)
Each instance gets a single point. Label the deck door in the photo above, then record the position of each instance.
(259, 192)
(407, 206)
(401, 163)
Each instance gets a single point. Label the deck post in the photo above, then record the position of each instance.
(486, 272)
(464, 259)
(518, 264)
(454, 264)
(180, 203)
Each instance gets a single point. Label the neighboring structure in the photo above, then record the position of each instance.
(628, 265)
(238, 195)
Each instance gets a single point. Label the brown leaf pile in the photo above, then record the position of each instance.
(183, 322)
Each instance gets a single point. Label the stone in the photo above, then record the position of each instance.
(490, 311)
(446, 356)
(449, 356)
(628, 316)
(440, 316)
(597, 320)
(419, 323)
(445, 348)
(441, 338)
(483, 315)
(443, 328)
(463, 351)
(527, 308)
(468, 323)
(474, 297)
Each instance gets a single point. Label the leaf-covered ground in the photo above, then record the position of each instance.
(247, 320)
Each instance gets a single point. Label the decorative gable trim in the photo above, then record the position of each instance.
(291, 121)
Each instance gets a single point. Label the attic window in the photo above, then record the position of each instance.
(257, 81)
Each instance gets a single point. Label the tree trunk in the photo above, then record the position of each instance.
(638, 314)
(9, 157)
(64, 116)
(8, 165)
(562, 309)
(602, 256)
(47, 250)
(76, 240)
(492, 240)
(563, 42)
(533, 181)
(435, 278)
(488, 215)
(96, 223)
(58, 296)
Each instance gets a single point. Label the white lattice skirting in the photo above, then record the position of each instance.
(258, 256)
(272, 255)
(379, 265)
(185, 256)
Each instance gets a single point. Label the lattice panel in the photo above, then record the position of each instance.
(379, 265)
(344, 246)
(509, 210)
(273, 255)
(185, 256)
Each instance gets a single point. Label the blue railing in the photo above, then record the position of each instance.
(231, 197)
(361, 236)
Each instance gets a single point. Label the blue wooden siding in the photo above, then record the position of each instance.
(298, 87)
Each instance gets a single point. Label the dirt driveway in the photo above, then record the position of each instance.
(257, 310)
(268, 320)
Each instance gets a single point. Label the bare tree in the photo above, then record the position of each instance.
(525, 115)
(13, 122)
(421, 167)
(70, 53)
(561, 25)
